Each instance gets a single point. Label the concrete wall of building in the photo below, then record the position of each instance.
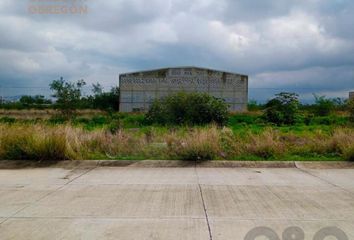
(138, 90)
(351, 95)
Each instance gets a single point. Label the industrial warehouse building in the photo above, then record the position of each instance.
(139, 89)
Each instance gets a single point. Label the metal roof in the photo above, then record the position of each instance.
(181, 67)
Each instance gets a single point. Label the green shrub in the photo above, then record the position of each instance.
(68, 95)
(330, 120)
(81, 120)
(28, 102)
(57, 119)
(115, 126)
(100, 120)
(308, 118)
(33, 101)
(244, 118)
(253, 105)
(349, 155)
(351, 110)
(283, 109)
(102, 100)
(188, 108)
(323, 106)
(133, 121)
(199, 153)
(7, 120)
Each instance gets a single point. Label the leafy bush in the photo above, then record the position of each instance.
(323, 106)
(133, 121)
(7, 120)
(283, 109)
(34, 100)
(330, 120)
(351, 110)
(126, 120)
(243, 118)
(20, 106)
(97, 121)
(188, 108)
(57, 119)
(349, 154)
(253, 105)
(102, 100)
(100, 120)
(68, 95)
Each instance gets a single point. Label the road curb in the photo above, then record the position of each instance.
(12, 164)
(247, 164)
(147, 163)
(324, 165)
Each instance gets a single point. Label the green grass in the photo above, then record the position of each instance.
(239, 123)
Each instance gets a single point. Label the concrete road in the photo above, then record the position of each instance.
(175, 203)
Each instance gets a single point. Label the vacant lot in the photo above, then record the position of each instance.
(128, 136)
(172, 203)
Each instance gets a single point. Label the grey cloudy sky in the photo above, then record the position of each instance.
(300, 45)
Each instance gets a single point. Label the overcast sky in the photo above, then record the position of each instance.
(300, 45)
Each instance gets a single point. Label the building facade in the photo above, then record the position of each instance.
(351, 95)
(139, 89)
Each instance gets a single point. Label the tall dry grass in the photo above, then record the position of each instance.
(34, 143)
(198, 144)
(41, 142)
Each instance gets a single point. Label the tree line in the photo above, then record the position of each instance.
(283, 108)
(68, 97)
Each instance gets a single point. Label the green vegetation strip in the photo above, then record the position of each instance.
(184, 126)
(128, 137)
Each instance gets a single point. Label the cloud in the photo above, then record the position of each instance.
(294, 44)
(307, 82)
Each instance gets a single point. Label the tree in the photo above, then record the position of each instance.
(105, 100)
(283, 109)
(97, 89)
(188, 108)
(323, 106)
(34, 100)
(68, 95)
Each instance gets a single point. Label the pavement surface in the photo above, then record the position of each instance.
(176, 203)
